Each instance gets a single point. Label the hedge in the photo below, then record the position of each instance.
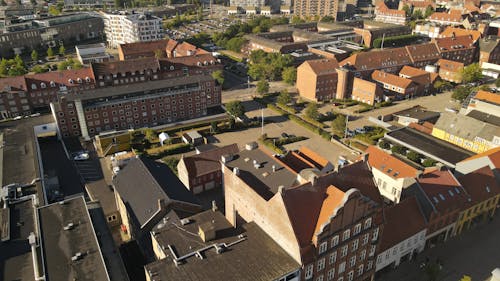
(287, 108)
(163, 151)
(396, 41)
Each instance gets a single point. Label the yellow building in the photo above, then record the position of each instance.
(484, 195)
(466, 132)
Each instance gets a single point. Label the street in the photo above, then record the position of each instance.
(475, 253)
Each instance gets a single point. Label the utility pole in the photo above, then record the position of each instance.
(346, 122)
(262, 130)
(382, 45)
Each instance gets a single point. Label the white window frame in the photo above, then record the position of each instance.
(320, 264)
(309, 271)
(368, 223)
(323, 247)
(346, 235)
(335, 241)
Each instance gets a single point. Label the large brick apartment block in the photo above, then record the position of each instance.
(161, 48)
(458, 48)
(366, 91)
(394, 16)
(330, 223)
(317, 79)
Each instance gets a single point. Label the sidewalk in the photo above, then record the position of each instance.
(475, 253)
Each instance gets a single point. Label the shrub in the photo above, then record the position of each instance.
(166, 150)
(384, 144)
(398, 149)
(413, 156)
(428, 162)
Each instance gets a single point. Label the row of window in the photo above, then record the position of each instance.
(330, 275)
(346, 235)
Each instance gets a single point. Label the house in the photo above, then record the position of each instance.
(489, 51)
(390, 174)
(450, 71)
(441, 198)
(387, 60)
(394, 16)
(366, 91)
(394, 86)
(453, 18)
(90, 53)
(486, 102)
(466, 132)
(202, 172)
(216, 250)
(305, 158)
(484, 194)
(165, 48)
(422, 55)
(311, 216)
(401, 243)
(416, 114)
(430, 30)
(489, 158)
(451, 31)
(457, 48)
(425, 80)
(317, 79)
(193, 137)
(145, 190)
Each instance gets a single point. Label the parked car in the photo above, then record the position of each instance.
(81, 156)
(18, 117)
(360, 130)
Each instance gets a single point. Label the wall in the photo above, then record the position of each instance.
(392, 185)
(413, 244)
(306, 82)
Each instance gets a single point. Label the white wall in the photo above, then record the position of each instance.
(415, 243)
(390, 187)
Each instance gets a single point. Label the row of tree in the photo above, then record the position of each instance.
(272, 67)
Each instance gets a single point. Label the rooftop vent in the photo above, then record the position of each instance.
(69, 226)
(77, 256)
(226, 158)
(236, 171)
(185, 221)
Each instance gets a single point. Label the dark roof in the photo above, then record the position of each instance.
(485, 117)
(487, 45)
(430, 145)
(15, 255)
(59, 245)
(263, 180)
(480, 184)
(208, 161)
(255, 257)
(144, 182)
(417, 112)
(115, 67)
(406, 213)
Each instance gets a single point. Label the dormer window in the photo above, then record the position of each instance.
(212, 62)
(87, 79)
(52, 84)
(43, 86)
(33, 86)
(79, 80)
(199, 63)
(70, 81)
(205, 63)
(172, 67)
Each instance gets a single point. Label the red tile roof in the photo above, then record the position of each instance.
(115, 67)
(378, 59)
(455, 31)
(480, 184)
(323, 66)
(411, 71)
(442, 189)
(333, 200)
(391, 79)
(423, 52)
(454, 43)
(408, 214)
(488, 97)
(388, 164)
(13, 83)
(85, 75)
(142, 47)
(311, 156)
(454, 16)
(450, 65)
(492, 154)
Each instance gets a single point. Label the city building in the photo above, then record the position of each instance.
(466, 132)
(424, 80)
(489, 51)
(430, 30)
(485, 102)
(416, 5)
(317, 79)
(422, 55)
(366, 91)
(254, 5)
(322, 8)
(394, 16)
(450, 70)
(457, 48)
(395, 87)
(206, 246)
(390, 174)
(124, 27)
(489, 158)
(305, 158)
(312, 216)
(398, 243)
(84, 4)
(145, 191)
(451, 31)
(416, 114)
(202, 172)
(372, 30)
(35, 34)
(484, 194)
(161, 48)
(91, 53)
(68, 242)
(453, 18)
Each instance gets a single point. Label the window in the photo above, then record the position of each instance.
(340, 278)
(362, 255)
(341, 267)
(352, 261)
(321, 264)
(344, 251)
(354, 245)
(368, 223)
(323, 247)
(350, 275)
(346, 235)
(333, 258)
(372, 250)
(309, 272)
(335, 241)
(365, 238)
(375, 234)
(369, 265)
(320, 278)
(357, 229)
(360, 270)
(331, 274)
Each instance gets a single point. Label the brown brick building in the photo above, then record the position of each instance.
(317, 79)
(489, 51)
(450, 70)
(366, 91)
(457, 48)
(160, 48)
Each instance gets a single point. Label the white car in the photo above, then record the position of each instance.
(81, 156)
(18, 118)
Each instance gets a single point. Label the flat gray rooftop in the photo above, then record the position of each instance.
(263, 180)
(59, 245)
(15, 255)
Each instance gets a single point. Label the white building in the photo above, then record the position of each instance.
(92, 53)
(124, 27)
(427, 29)
(399, 243)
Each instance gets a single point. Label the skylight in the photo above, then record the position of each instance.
(450, 192)
(441, 196)
(457, 190)
(435, 200)
(488, 189)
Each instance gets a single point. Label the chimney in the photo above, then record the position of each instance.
(207, 231)
(274, 168)
(365, 157)
(236, 171)
(440, 166)
(453, 35)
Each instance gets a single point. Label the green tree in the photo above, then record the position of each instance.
(262, 87)
(461, 92)
(327, 19)
(417, 14)
(432, 271)
(311, 111)
(428, 162)
(289, 75)
(40, 69)
(3, 3)
(441, 85)
(34, 55)
(471, 73)
(407, 10)
(214, 127)
(296, 20)
(54, 10)
(235, 108)
(398, 149)
(218, 75)
(413, 156)
(150, 135)
(428, 11)
(62, 50)
(384, 144)
(4, 67)
(16, 70)
(284, 98)
(50, 52)
(497, 82)
(171, 162)
(338, 124)
(235, 44)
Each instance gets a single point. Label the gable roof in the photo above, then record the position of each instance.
(485, 117)
(450, 65)
(322, 66)
(480, 184)
(453, 16)
(411, 71)
(487, 97)
(134, 65)
(454, 43)
(209, 161)
(378, 59)
(333, 200)
(142, 47)
(406, 213)
(388, 164)
(488, 45)
(313, 157)
(144, 182)
(423, 52)
(493, 154)
(391, 79)
(457, 32)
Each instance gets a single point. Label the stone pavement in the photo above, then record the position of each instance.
(475, 253)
